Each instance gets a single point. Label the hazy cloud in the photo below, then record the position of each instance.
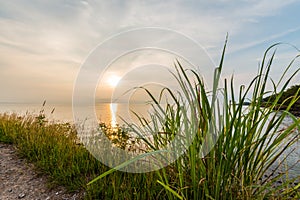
(43, 43)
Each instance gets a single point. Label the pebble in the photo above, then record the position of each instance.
(21, 196)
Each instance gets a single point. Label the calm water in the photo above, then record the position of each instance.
(110, 113)
(105, 112)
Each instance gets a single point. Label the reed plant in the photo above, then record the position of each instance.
(235, 150)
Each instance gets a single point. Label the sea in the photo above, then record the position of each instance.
(114, 114)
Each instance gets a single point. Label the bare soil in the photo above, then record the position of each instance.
(20, 180)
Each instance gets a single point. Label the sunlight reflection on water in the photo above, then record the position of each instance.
(113, 111)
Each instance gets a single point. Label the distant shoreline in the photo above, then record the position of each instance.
(285, 100)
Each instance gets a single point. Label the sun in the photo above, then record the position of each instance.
(113, 80)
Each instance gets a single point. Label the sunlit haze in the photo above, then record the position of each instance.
(44, 43)
(113, 80)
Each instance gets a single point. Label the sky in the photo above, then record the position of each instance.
(44, 44)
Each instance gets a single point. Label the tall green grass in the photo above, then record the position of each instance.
(232, 148)
(246, 141)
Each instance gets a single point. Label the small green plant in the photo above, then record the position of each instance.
(118, 135)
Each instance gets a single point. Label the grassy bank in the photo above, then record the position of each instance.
(246, 143)
(54, 149)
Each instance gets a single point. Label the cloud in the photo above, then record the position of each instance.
(90, 21)
(264, 40)
(57, 36)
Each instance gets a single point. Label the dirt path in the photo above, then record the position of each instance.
(19, 180)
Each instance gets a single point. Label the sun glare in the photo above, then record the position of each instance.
(113, 80)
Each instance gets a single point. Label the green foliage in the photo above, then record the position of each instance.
(248, 141)
(119, 135)
(285, 99)
(56, 152)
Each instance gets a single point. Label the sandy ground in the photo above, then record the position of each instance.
(19, 180)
